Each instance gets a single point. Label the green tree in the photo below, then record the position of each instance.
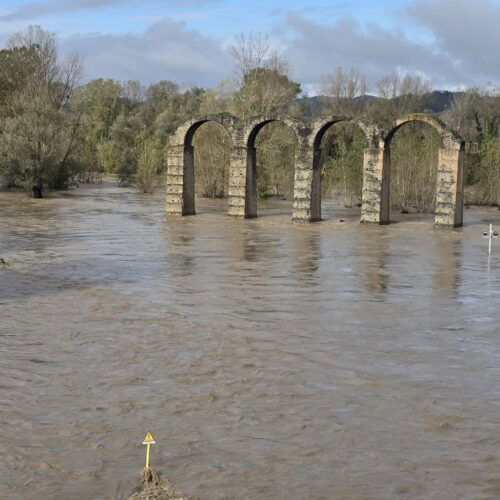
(489, 171)
(342, 162)
(149, 161)
(263, 87)
(39, 129)
(98, 103)
(414, 163)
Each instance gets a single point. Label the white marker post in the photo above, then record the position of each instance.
(148, 441)
(490, 235)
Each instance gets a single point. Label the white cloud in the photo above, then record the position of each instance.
(465, 51)
(167, 50)
(35, 10)
(467, 33)
(459, 46)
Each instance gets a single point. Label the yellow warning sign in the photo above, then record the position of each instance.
(148, 439)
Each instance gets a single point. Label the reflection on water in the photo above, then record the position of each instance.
(269, 359)
(448, 265)
(374, 251)
(307, 254)
(181, 263)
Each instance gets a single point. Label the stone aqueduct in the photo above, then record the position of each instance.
(242, 192)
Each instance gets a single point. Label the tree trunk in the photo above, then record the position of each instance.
(37, 192)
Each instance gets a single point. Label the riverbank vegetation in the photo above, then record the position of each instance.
(56, 130)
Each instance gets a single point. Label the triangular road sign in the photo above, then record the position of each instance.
(148, 439)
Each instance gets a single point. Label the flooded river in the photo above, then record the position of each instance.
(270, 360)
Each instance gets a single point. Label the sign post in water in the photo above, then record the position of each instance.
(148, 441)
(490, 235)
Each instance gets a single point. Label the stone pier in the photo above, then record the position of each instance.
(242, 191)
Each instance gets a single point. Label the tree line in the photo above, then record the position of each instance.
(55, 130)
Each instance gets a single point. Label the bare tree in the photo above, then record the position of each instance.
(249, 52)
(402, 93)
(264, 87)
(133, 91)
(461, 115)
(343, 86)
(398, 85)
(262, 77)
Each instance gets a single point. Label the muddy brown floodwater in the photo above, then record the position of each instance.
(270, 360)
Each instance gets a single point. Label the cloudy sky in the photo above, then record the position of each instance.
(454, 43)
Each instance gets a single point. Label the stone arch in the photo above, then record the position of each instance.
(319, 129)
(252, 126)
(307, 202)
(449, 182)
(180, 162)
(250, 129)
(450, 139)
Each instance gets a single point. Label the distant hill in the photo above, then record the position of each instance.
(439, 101)
(436, 102)
(314, 105)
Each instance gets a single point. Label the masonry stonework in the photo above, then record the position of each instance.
(242, 191)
